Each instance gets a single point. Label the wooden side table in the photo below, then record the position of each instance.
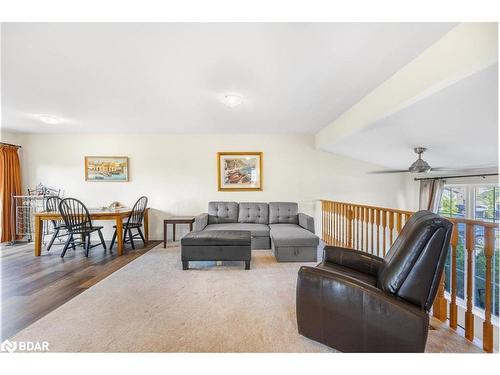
(176, 220)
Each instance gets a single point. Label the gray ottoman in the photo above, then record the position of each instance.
(291, 243)
(216, 245)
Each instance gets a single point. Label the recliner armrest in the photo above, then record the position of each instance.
(355, 259)
(200, 222)
(352, 316)
(306, 222)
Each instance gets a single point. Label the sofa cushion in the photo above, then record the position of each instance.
(256, 213)
(217, 238)
(222, 212)
(283, 213)
(257, 230)
(292, 235)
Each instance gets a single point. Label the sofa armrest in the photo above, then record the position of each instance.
(355, 259)
(200, 222)
(352, 316)
(306, 222)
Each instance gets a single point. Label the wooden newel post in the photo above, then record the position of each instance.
(439, 308)
(487, 326)
(469, 316)
(453, 287)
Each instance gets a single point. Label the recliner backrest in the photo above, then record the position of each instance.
(222, 212)
(413, 266)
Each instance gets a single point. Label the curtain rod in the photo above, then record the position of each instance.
(10, 144)
(448, 177)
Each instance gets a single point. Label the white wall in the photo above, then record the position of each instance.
(178, 172)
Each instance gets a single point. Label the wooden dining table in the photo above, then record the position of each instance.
(115, 214)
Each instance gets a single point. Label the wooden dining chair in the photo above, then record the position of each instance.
(78, 223)
(52, 205)
(134, 221)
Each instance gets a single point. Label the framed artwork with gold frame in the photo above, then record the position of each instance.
(106, 168)
(239, 171)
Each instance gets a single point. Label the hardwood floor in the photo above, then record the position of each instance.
(34, 286)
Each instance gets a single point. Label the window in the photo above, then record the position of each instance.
(477, 202)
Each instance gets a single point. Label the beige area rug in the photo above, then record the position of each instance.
(151, 305)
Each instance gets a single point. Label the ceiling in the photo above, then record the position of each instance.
(458, 125)
(159, 77)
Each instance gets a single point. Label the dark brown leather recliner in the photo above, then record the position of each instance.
(357, 302)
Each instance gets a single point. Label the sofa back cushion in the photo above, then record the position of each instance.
(222, 212)
(256, 213)
(283, 213)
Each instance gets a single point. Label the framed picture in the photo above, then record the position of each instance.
(239, 171)
(106, 168)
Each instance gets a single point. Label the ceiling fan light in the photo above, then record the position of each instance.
(420, 166)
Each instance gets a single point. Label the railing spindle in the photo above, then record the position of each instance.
(372, 222)
(377, 222)
(334, 220)
(331, 218)
(356, 231)
(384, 228)
(365, 222)
(323, 213)
(360, 227)
(349, 227)
(391, 226)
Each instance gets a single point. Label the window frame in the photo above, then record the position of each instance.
(470, 213)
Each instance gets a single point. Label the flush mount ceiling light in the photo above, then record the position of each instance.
(52, 120)
(232, 100)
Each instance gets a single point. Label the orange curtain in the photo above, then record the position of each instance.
(10, 184)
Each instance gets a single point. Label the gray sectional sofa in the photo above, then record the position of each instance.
(277, 226)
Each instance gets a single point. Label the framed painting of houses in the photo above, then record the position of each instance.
(106, 168)
(238, 171)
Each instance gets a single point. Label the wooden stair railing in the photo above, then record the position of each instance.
(374, 229)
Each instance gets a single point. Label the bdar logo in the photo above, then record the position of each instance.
(8, 346)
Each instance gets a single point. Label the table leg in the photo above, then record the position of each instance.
(190, 227)
(165, 227)
(146, 226)
(38, 236)
(119, 235)
(173, 236)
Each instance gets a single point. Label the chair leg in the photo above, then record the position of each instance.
(87, 246)
(72, 241)
(102, 239)
(66, 245)
(125, 232)
(112, 241)
(52, 239)
(131, 238)
(142, 236)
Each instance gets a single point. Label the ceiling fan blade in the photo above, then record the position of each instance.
(389, 171)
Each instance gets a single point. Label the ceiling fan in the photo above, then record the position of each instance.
(420, 165)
